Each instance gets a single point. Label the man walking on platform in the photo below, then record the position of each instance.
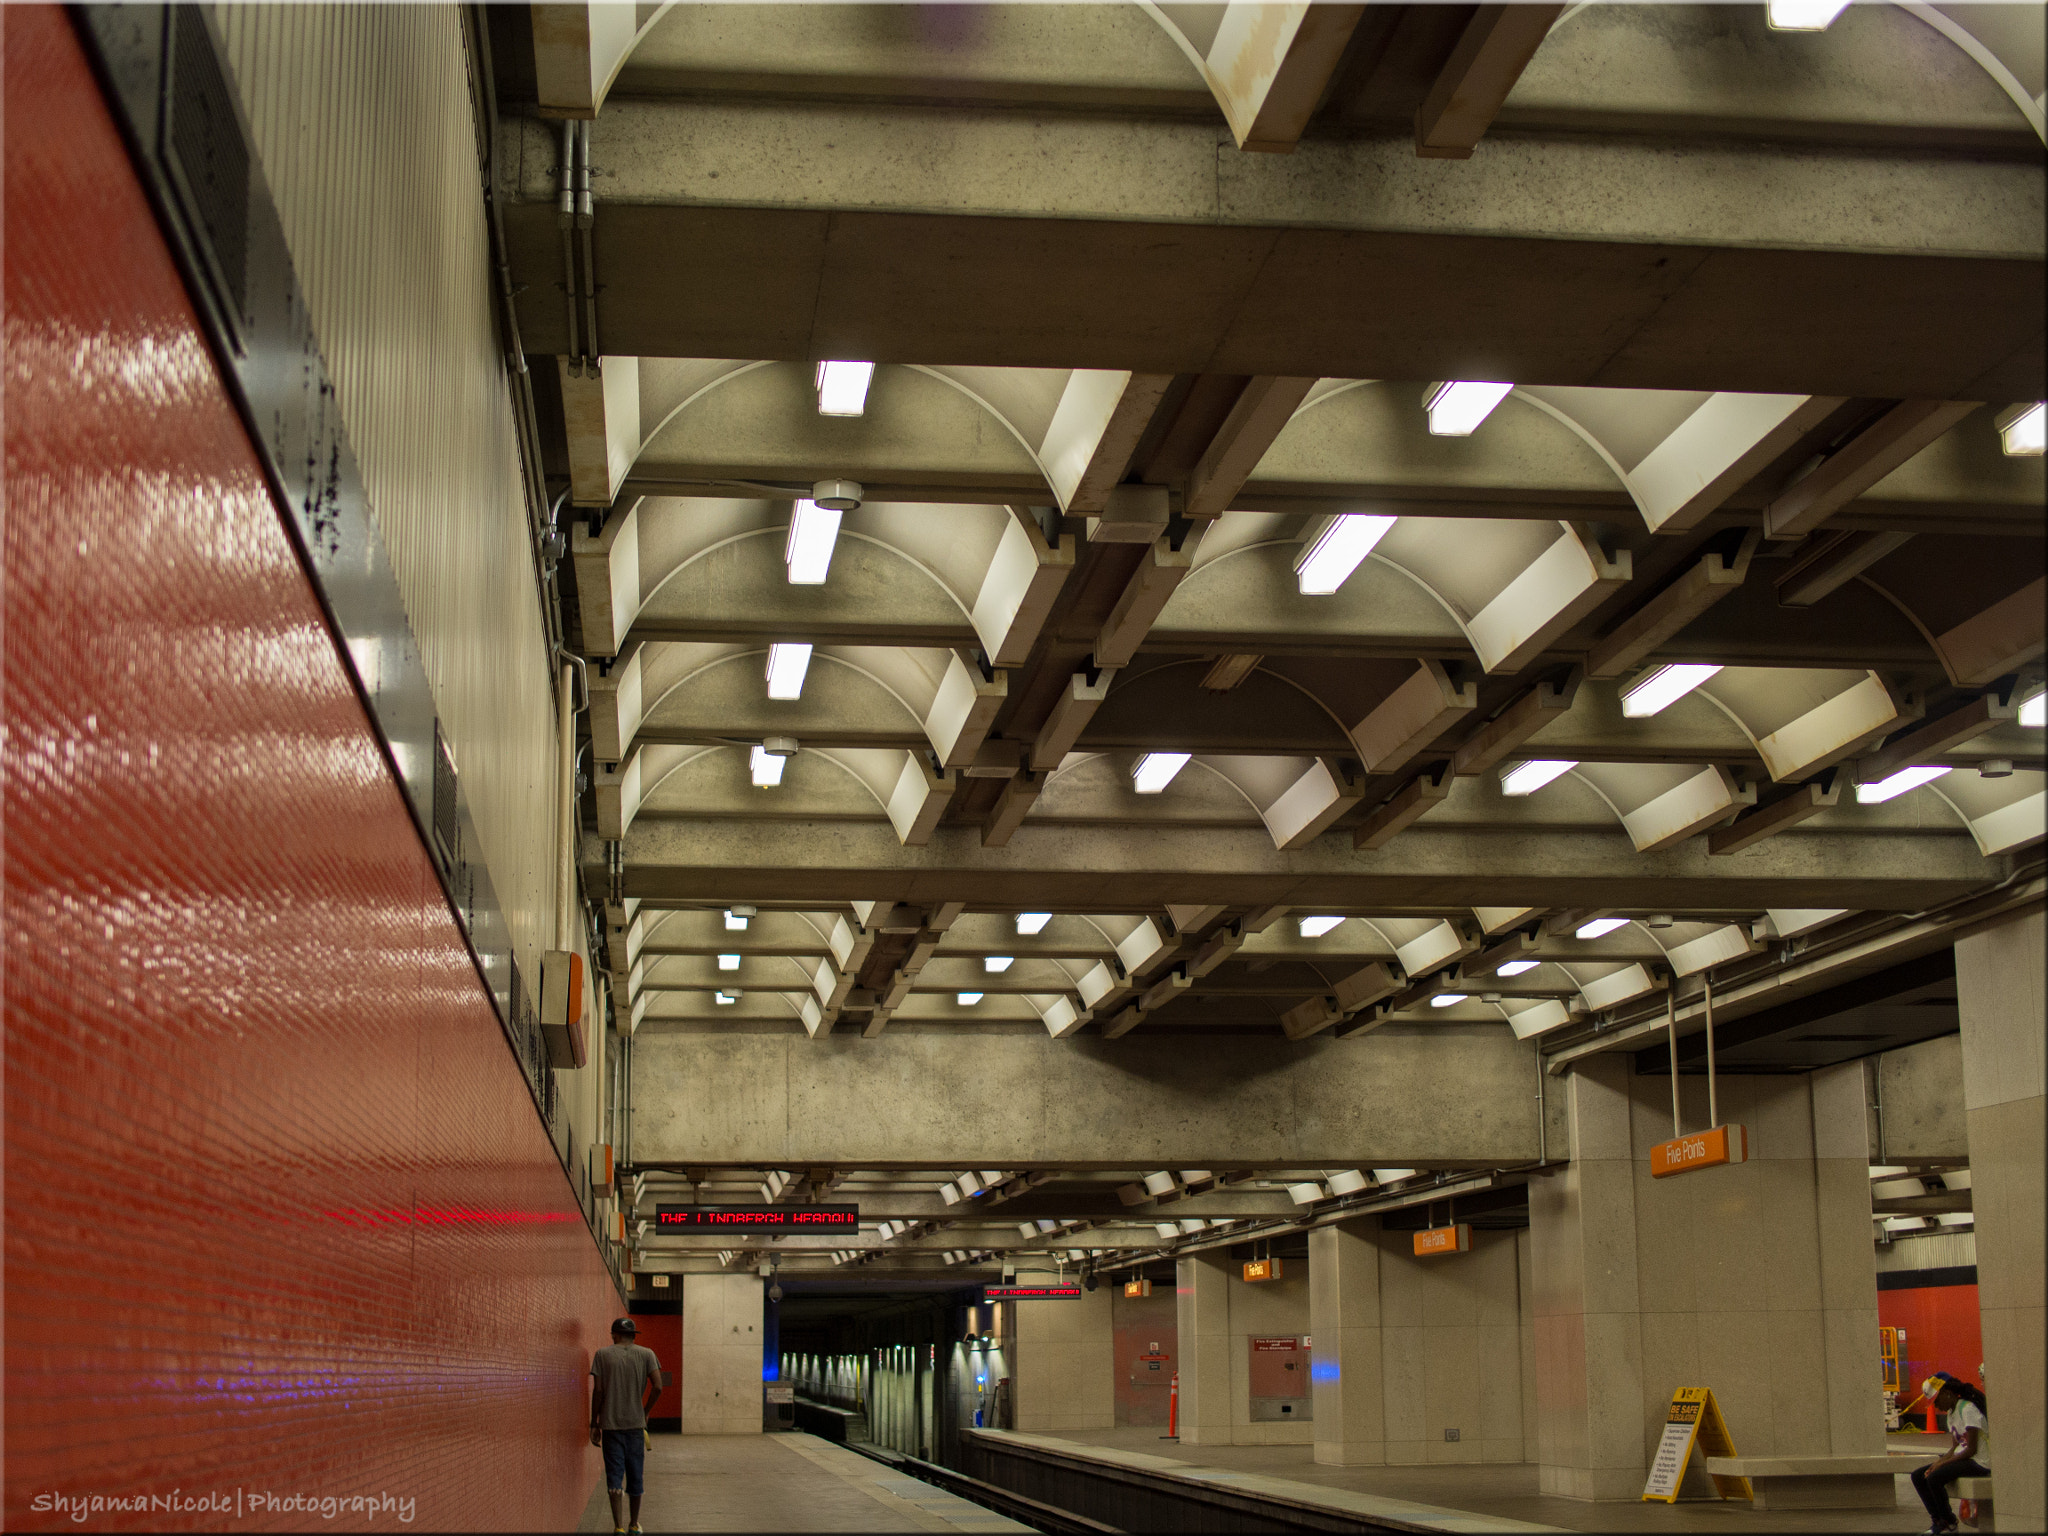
(625, 1380)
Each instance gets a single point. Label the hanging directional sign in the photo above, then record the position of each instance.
(1703, 1149)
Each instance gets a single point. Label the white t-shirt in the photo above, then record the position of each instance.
(1963, 1418)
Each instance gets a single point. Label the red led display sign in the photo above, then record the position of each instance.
(757, 1218)
(1031, 1293)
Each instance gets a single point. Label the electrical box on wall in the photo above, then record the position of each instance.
(601, 1175)
(562, 1007)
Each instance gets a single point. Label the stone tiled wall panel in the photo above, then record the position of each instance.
(280, 1214)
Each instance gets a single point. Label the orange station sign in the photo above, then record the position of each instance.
(1262, 1269)
(1435, 1240)
(1702, 1149)
(1137, 1287)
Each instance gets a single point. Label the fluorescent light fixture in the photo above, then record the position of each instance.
(1515, 967)
(1350, 1182)
(1599, 927)
(1167, 1230)
(787, 664)
(1904, 1223)
(1304, 1194)
(1155, 770)
(843, 388)
(1338, 550)
(728, 962)
(1897, 784)
(766, 767)
(1803, 15)
(725, 998)
(1446, 999)
(2023, 430)
(1392, 1175)
(968, 999)
(1029, 923)
(995, 965)
(736, 919)
(1528, 777)
(813, 533)
(1316, 927)
(1657, 691)
(2034, 711)
(1160, 1183)
(1457, 408)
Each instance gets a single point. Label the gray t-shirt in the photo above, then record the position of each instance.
(624, 1371)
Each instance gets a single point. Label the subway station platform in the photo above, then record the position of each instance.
(788, 1482)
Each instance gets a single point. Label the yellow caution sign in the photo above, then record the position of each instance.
(1694, 1423)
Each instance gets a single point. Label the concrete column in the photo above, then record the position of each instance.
(2000, 987)
(721, 1355)
(1344, 1362)
(1587, 1309)
(1757, 1280)
(1202, 1295)
(1066, 1362)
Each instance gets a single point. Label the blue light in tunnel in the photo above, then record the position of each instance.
(1323, 1370)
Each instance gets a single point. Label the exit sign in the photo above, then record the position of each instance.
(1704, 1149)
(1262, 1269)
(1436, 1240)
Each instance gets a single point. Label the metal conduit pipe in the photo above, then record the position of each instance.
(565, 221)
(565, 804)
(586, 216)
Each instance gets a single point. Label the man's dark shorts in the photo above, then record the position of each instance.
(625, 1460)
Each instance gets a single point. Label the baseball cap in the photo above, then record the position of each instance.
(625, 1325)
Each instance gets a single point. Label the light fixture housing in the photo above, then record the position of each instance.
(1328, 560)
(1530, 775)
(1447, 999)
(2034, 710)
(843, 388)
(766, 767)
(1657, 690)
(1599, 927)
(788, 662)
(727, 997)
(1316, 927)
(1515, 967)
(1029, 923)
(1155, 770)
(1803, 15)
(995, 965)
(813, 535)
(736, 918)
(968, 999)
(1894, 785)
(728, 962)
(1457, 406)
(2023, 429)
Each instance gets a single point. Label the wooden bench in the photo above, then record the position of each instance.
(1819, 1482)
(1977, 1489)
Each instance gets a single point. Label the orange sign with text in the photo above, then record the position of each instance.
(1262, 1269)
(1702, 1149)
(1137, 1287)
(1435, 1240)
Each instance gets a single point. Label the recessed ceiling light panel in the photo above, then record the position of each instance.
(1458, 407)
(1155, 770)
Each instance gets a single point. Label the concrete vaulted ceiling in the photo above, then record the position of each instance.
(1145, 318)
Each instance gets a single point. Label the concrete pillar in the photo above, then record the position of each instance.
(721, 1355)
(1066, 1362)
(1757, 1280)
(2000, 987)
(1344, 1362)
(1587, 1310)
(1202, 1297)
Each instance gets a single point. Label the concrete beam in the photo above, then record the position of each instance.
(1859, 464)
(1270, 64)
(2002, 638)
(601, 418)
(1094, 430)
(1701, 586)
(1805, 801)
(1441, 1097)
(1258, 417)
(1491, 54)
(819, 237)
(1431, 869)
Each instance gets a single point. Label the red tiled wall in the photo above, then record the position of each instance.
(280, 1217)
(1943, 1332)
(662, 1332)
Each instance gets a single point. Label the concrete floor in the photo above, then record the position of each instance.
(1503, 1491)
(785, 1482)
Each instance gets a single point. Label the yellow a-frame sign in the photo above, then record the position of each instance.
(1694, 1422)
